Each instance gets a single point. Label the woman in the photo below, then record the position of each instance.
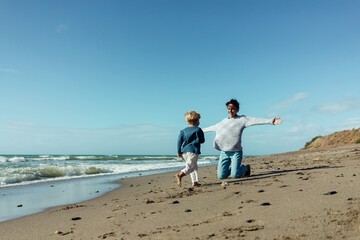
(228, 140)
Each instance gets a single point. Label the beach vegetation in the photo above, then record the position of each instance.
(307, 145)
(357, 141)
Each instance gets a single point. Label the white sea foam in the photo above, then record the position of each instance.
(48, 157)
(61, 158)
(16, 159)
(3, 159)
(85, 157)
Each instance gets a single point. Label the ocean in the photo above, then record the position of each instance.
(32, 183)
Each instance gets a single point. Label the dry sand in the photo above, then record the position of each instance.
(308, 194)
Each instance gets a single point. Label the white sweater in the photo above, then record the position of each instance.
(229, 131)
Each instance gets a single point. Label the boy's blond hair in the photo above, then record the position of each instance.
(192, 116)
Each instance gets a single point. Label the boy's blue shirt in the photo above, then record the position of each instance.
(189, 140)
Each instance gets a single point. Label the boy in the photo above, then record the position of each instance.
(188, 147)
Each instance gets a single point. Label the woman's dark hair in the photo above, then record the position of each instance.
(233, 102)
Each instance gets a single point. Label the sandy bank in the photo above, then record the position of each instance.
(308, 194)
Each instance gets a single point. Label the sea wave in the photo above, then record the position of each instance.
(14, 159)
(25, 169)
(19, 175)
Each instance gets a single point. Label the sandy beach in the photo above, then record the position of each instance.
(307, 194)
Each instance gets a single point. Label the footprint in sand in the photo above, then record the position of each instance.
(227, 214)
(111, 234)
(253, 225)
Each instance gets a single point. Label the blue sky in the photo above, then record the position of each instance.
(116, 77)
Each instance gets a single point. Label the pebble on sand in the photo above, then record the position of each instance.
(331, 193)
(147, 201)
(187, 210)
(75, 218)
(175, 202)
(265, 204)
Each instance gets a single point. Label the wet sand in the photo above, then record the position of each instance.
(307, 194)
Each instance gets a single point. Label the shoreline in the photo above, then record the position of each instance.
(21, 200)
(307, 194)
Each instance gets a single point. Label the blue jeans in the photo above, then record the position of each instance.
(230, 163)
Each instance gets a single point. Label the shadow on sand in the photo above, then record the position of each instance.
(268, 174)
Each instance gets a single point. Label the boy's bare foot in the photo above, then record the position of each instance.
(178, 177)
(196, 184)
